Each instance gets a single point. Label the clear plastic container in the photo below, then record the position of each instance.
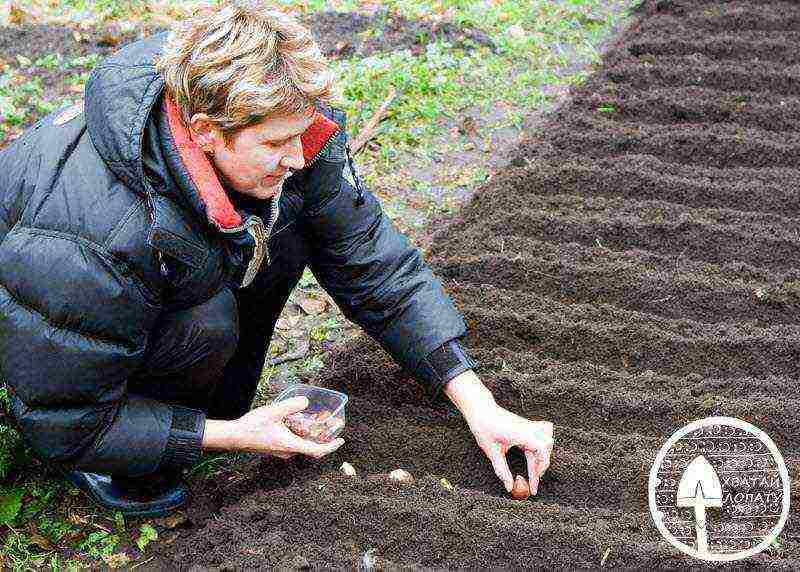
(324, 417)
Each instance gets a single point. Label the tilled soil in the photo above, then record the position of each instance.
(631, 270)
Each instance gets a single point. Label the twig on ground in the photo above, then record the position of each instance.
(368, 131)
(140, 563)
(299, 353)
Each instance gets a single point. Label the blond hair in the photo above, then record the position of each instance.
(242, 61)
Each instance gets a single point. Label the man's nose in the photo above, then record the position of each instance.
(295, 159)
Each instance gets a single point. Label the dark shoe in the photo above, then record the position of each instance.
(151, 495)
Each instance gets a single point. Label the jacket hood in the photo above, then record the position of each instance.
(120, 94)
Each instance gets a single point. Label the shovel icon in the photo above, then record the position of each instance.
(699, 487)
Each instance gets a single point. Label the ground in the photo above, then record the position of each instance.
(472, 79)
(632, 269)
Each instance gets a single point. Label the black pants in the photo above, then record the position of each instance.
(211, 356)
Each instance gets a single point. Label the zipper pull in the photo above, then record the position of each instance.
(359, 187)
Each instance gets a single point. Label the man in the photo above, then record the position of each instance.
(150, 239)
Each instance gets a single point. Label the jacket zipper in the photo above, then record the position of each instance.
(255, 226)
(260, 235)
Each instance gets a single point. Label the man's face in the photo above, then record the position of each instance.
(256, 159)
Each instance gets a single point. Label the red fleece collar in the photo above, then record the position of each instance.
(219, 209)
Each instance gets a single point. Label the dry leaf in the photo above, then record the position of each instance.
(468, 127)
(38, 540)
(446, 484)
(300, 351)
(16, 15)
(117, 560)
(173, 520)
(77, 36)
(312, 306)
(108, 39)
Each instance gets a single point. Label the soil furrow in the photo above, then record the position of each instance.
(754, 47)
(618, 339)
(613, 401)
(673, 292)
(682, 72)
(719, 17)
(693, 105)
(645, 177)
(712, 145)
(696, 240)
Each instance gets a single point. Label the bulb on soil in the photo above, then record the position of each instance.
(348, 469)
(401, 476)
(521, 490)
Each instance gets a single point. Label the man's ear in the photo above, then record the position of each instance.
(204, 133)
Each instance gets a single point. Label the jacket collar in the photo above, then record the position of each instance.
(217, 205)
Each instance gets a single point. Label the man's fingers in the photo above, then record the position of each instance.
(312, 449)
(498, 458)
(289, 406)
(534, 471)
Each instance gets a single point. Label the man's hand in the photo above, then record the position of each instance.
(263, 430)
(497, 430)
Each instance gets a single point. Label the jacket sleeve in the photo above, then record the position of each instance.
(370, 269)
(74, 324)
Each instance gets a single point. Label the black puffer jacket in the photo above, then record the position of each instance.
(102, 229)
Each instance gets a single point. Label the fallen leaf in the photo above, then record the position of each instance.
(468, 127)
(108, 39)
(312, 306)
(37, 539)
(446, 484)
(299, 352)
(16, 15)
(117, 560)
(173, 520)
(288, 322)
(77, 36)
